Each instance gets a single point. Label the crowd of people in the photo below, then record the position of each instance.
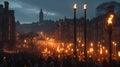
(35, 61)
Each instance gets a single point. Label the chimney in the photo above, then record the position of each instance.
(6, 6)
(1, 6)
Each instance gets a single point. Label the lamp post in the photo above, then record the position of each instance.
(75, 39)
(109, 25)
(85, 25)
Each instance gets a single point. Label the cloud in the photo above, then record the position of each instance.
(32, 10)
(28, 10)
(49, 13)
(15, 5)
(37, 11)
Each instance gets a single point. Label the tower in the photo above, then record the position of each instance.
(41, 16)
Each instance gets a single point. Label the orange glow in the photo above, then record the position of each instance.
(58, 56)
(25, 41)
(24, 45)
(91, 49)
(66, 51)
(62, 44)
(72, 50)
(101, 51)
(79, 41)
(110, 19)
(58, 48)
(70, 44)
(46, 50)
(103, 47)
(87, 52)
(99, 60)
(77, 49)
(112, 16)
(47, 38)
(85, 6)
(8, 51)
(41, 33)
(118, 53)
(82, 45)
(51, 47)
(106, 51)
(114, 44)
(91, 44)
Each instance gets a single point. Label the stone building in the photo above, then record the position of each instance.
(7, 26)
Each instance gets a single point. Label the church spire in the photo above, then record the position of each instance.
(41, 16)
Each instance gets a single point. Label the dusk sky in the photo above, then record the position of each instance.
(27, 11)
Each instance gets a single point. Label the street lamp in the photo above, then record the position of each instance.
(85, 25)
(75, 39)
(109, 25)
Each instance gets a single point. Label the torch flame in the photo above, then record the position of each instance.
(75, 6)
(85, 6)
(118, 53)
(110, 19)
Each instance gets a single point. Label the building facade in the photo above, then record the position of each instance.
(7, 27)
(97, 32)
